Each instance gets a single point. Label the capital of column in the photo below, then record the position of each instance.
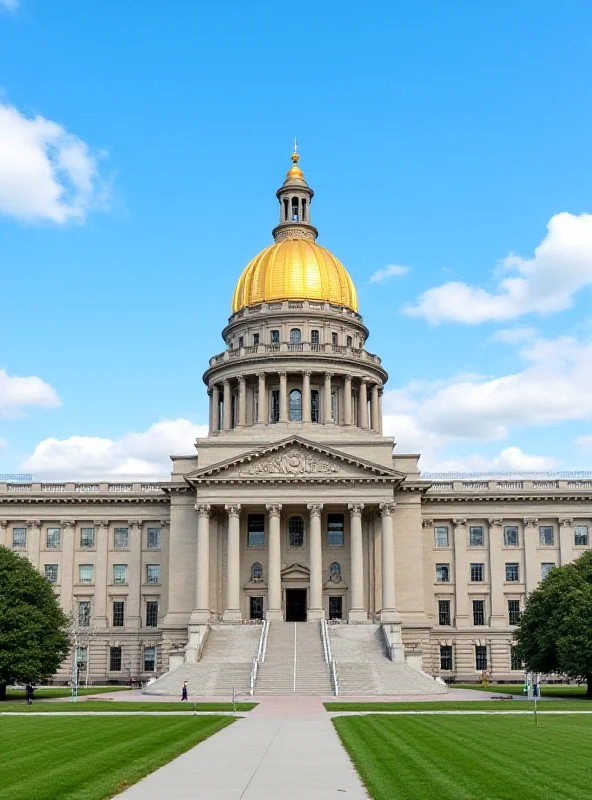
(386, 509)
(33, 523)
(495, 523)
(530, 522)
(71, 523)
(203, 510)
(241, 378)
(565, 521)
(328, 376)
(282, 374)
(307, 372)
(3, 523)
(101, 523)
(427, 523)
(233, 510)
(347, 377)
(261, 375)
(355, 509)
(459, 523)
(136, 522)
(226, 382)
(274, 509)
(315, 509)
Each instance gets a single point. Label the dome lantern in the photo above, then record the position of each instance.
(295, 196)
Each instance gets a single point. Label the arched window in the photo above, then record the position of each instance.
(335, 572)
(295, 336)
(256, 572)
(295, 405)
(304, 214)
(349, 341)
(285, 210)
(296, 532)
(294, 209)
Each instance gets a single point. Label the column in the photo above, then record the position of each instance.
(201, 614)
(532, 569)
(327, 398)
(242, 401)
(274, 569)
(283, 397)
(497, 573)
(261, 400)
(380, 392)
(566, 541)
(215, 408)
(136, 575)
(4, 533)
(100, 611)
(363, 404)
(232, 611)
(226, 418)
(356, 612)
(306, 397)
(315, 599)
(388, 612)
(66, 578)
(461, 574)
(347, 400)
(374, 408)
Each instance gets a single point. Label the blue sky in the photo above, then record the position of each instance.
(141, 145)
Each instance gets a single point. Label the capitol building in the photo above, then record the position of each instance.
(297, 508)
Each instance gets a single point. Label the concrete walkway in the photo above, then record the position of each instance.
(285, 749)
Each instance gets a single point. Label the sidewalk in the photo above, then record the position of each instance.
(286, 748)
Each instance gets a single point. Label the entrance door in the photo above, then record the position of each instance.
(295, 605)
(256, 607)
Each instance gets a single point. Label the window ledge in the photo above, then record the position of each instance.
(84, 583)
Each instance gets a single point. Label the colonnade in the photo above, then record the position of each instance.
(232, 603)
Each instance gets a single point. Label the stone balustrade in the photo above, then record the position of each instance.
(32, 487)
(287, 348)
(533, 485)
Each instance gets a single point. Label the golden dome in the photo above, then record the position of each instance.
(294, 269)
(295, 171)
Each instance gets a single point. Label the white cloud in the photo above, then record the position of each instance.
(46, 173)
(9, 5)
(511, 459)
(545, 283)
(134, 455)
(514, 335)
(17, 393)
(585, 442)
(393, 270)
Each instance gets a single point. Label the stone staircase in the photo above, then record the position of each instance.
(294, 661)
(225, 664)
(364, 668)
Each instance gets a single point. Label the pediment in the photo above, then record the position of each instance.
(294, 459)
(295, 572)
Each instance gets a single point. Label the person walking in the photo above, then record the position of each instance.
(184, 691)
(29, 694)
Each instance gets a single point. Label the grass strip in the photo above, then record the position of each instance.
(464, 705)
(552, 690)
(64, 691)
(115, 705)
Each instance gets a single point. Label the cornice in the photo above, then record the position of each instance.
(73, 499)
(514, 497)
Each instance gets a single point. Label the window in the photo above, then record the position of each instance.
(153, 538)
(512, 573)
(476, 537)
(151, 613)
(513, 612)
(334, 340)
(256, 572)
(149, 659)
(581, 536)
(115, 659)
(255, 608)
(241, 341)
(446, 657)
(52, 538)
(82, 657)
(85, 573)
(84, 613)
(314, 405)
(275, 337)
(442, 573)
(118, 613)
(152, 573)
(480, 657)
(19, 537)
(335, 607)
(335, 527)
(256, 530)
(255, 339)
(315, 339)
(295, 336)
(119, 573)
(121, 537)
(546, 569)
(334, 405)
(441, 536)
(349, 341)
(296, 532)
(511, 536)
(295, 405)
(335, 572)
(274, 411)
(478, 612)
(546, 536)
(477, 573)
(443, 612)
(515, 660)
(87, 537)
(51, 572)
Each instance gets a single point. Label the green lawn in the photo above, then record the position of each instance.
(124, 705)
(62, 691)
(554, 690)
(465, 705)
(90, 758)
(471, 758)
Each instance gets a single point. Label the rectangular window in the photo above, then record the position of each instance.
(478, 612)
(581, 536)
(335, 607)
(115, 659)
(477, 573)
(121, 537)
(476, 537)
(119, 573)
(149, 659)
(19, 537)
(81, 657)
(314, 405)
(441, 536)
(256, 530)
(84, 613)
(546, 535)
(443, 612)
(315, 338)
(241, 341)
(152, 573)
(151, 614)
(446, 657)
(255, 339)
(512, 573)
(85, 573)
(334, 405)
(546, 569)
(515, 660)
(275, 337)
(87, 537)
(118, 613)
(153, 538)
(334, 339)
(335, 528)
(274, 410)
(52, 538)
(443, 573)
(511, 536)
(480, 657)
(51, 572)
(296, 532)
(513, 612)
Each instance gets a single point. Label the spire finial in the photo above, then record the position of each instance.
(295, 145)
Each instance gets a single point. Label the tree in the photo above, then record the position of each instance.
(555, 631)
(33, 627)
